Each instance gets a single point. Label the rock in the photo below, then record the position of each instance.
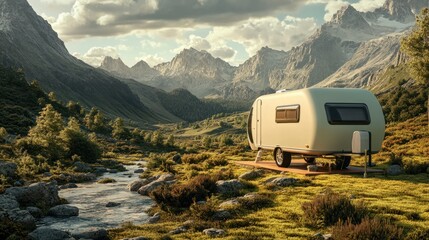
(229, 203)
(63, 211)
(47, 174)
(327, 236)
(229, 187)
(155, 218)
(214, 232)
(8, 202)
(112, 204)
(221, 215)
(251, 175)
(188, 223)
(82, 167)
(177, 158)
(39, 195)
(100, 170)
(68, 185)
(179, 230)
(312, 168)
(140, 170)
(45, 233)
(137, 184)
(394, 170)
(22, 217)
(35, 212)
(148, 188)
(112, 170)
(18, 183)
(136, 238)
(166, 177)
(8, 169)
(283, 181)
(92, 233)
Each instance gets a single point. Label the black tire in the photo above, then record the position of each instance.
(281, 158)
(342, 162)
(310, 160)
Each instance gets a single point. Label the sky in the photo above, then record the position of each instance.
(157, 30)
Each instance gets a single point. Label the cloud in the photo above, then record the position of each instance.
(150, 43)
(368, 5)
(218, 48)
(254, 34)
(152, 60)
(48, 18)
(332, 7)
(57, 2)
(95, 55)
(108, 17)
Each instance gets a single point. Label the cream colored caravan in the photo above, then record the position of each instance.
(314, 122)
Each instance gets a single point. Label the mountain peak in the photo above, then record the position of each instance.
(404, 10)
(349, 18)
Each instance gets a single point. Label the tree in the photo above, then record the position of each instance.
(118, 129)
(416, 47)
(170, 140)
(157, 138)
(95, 121)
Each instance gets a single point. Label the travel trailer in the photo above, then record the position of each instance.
(316, 122)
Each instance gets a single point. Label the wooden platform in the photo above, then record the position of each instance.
(299, 166)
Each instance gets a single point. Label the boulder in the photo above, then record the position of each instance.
(214, 232)
(229, 203)
(112, 170)
(8, 202)
(35, 212)
(92, 233)
(283, 181)
(229, 187)
(112, 204)
(148, 188)
(41, 195)
(100, 170)
(45, 233)
(63, 211)
(155, 218)
(251, 175)
(23, 218)
(179, 230)
(8, 169)
(177, 158)
(82, 167)
(394, 170)
(166, 177)
(221, 215)
(137, 184)
(140, 170)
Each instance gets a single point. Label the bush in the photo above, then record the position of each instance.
(216, 161)
(204, 211)
(329, 208)
(418, 234)
(415, 167)
(178, 196)
(106, 180)
(367, 229)
(195, 158)
(256, 202)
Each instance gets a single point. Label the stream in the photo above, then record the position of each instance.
(91, 199)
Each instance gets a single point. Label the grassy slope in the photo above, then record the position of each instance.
(393, 197)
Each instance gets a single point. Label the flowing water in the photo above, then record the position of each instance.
(91, 199)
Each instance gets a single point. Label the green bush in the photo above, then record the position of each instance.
(418, 234)
(256, 202)
(195, 158)
(415, 167)
(329, 208)
(204, 211)
(106, 180)
(368, 229)
(215, 161)
(179, 196)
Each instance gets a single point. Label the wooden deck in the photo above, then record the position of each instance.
(299, 166)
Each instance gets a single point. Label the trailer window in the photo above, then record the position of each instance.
(287, 114)
(347, 114)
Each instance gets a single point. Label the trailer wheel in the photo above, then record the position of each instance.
(282, 159)
(342, 162)
(310, 160)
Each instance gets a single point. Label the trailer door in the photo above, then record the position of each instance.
(258, 113)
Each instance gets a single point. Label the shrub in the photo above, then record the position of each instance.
(367, 229)
(329, 208)
(256, 202)
(195, 158)
(415, 167)
(178, 196)
(418, 234)
(204, 211)
(216, 161)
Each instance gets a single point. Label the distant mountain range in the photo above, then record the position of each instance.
(351, 50)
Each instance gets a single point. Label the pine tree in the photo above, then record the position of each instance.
(118, 129)
(416, 47)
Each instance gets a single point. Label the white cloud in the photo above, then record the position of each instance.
(95, 55)
(50, 19)
(57, 2)
(218, 48)
(368, 5)
(150, 43)
(332, 7)
(152, 60)
(254, 34)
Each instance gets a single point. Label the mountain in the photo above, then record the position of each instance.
(141, 71)
(27, 41)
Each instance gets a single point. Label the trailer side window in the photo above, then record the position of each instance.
(347, 114)
(287, 114)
